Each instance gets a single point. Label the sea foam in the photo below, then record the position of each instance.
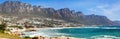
(105, 37)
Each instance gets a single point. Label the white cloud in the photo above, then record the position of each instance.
(112, 11)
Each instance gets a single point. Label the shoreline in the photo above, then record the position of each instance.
(65, 27)
(68, 27)
(78, 27)
(60, 37)
(34, 35)
(43, 35)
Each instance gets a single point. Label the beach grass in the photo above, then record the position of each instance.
(3, 35)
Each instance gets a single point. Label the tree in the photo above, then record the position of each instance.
(51, 23)
(3, 26)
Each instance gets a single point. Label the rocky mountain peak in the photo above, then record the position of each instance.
(19, 8)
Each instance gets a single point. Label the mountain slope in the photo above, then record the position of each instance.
(19, 8)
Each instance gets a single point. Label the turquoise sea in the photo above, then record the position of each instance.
(111, 32)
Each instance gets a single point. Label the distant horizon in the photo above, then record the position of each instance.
(108, 8)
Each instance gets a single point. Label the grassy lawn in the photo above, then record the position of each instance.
(3, 35)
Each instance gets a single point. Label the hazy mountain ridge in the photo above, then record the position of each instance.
(117, 22)
(19, 8)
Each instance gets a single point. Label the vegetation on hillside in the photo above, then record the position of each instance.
(3, 26)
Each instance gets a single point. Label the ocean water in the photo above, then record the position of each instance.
(100, 32)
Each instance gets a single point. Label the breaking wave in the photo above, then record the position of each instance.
(79, 32)
(46, 32)
(104, 37)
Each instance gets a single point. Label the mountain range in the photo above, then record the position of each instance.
(19, 8)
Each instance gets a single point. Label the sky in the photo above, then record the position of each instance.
(108, 8)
